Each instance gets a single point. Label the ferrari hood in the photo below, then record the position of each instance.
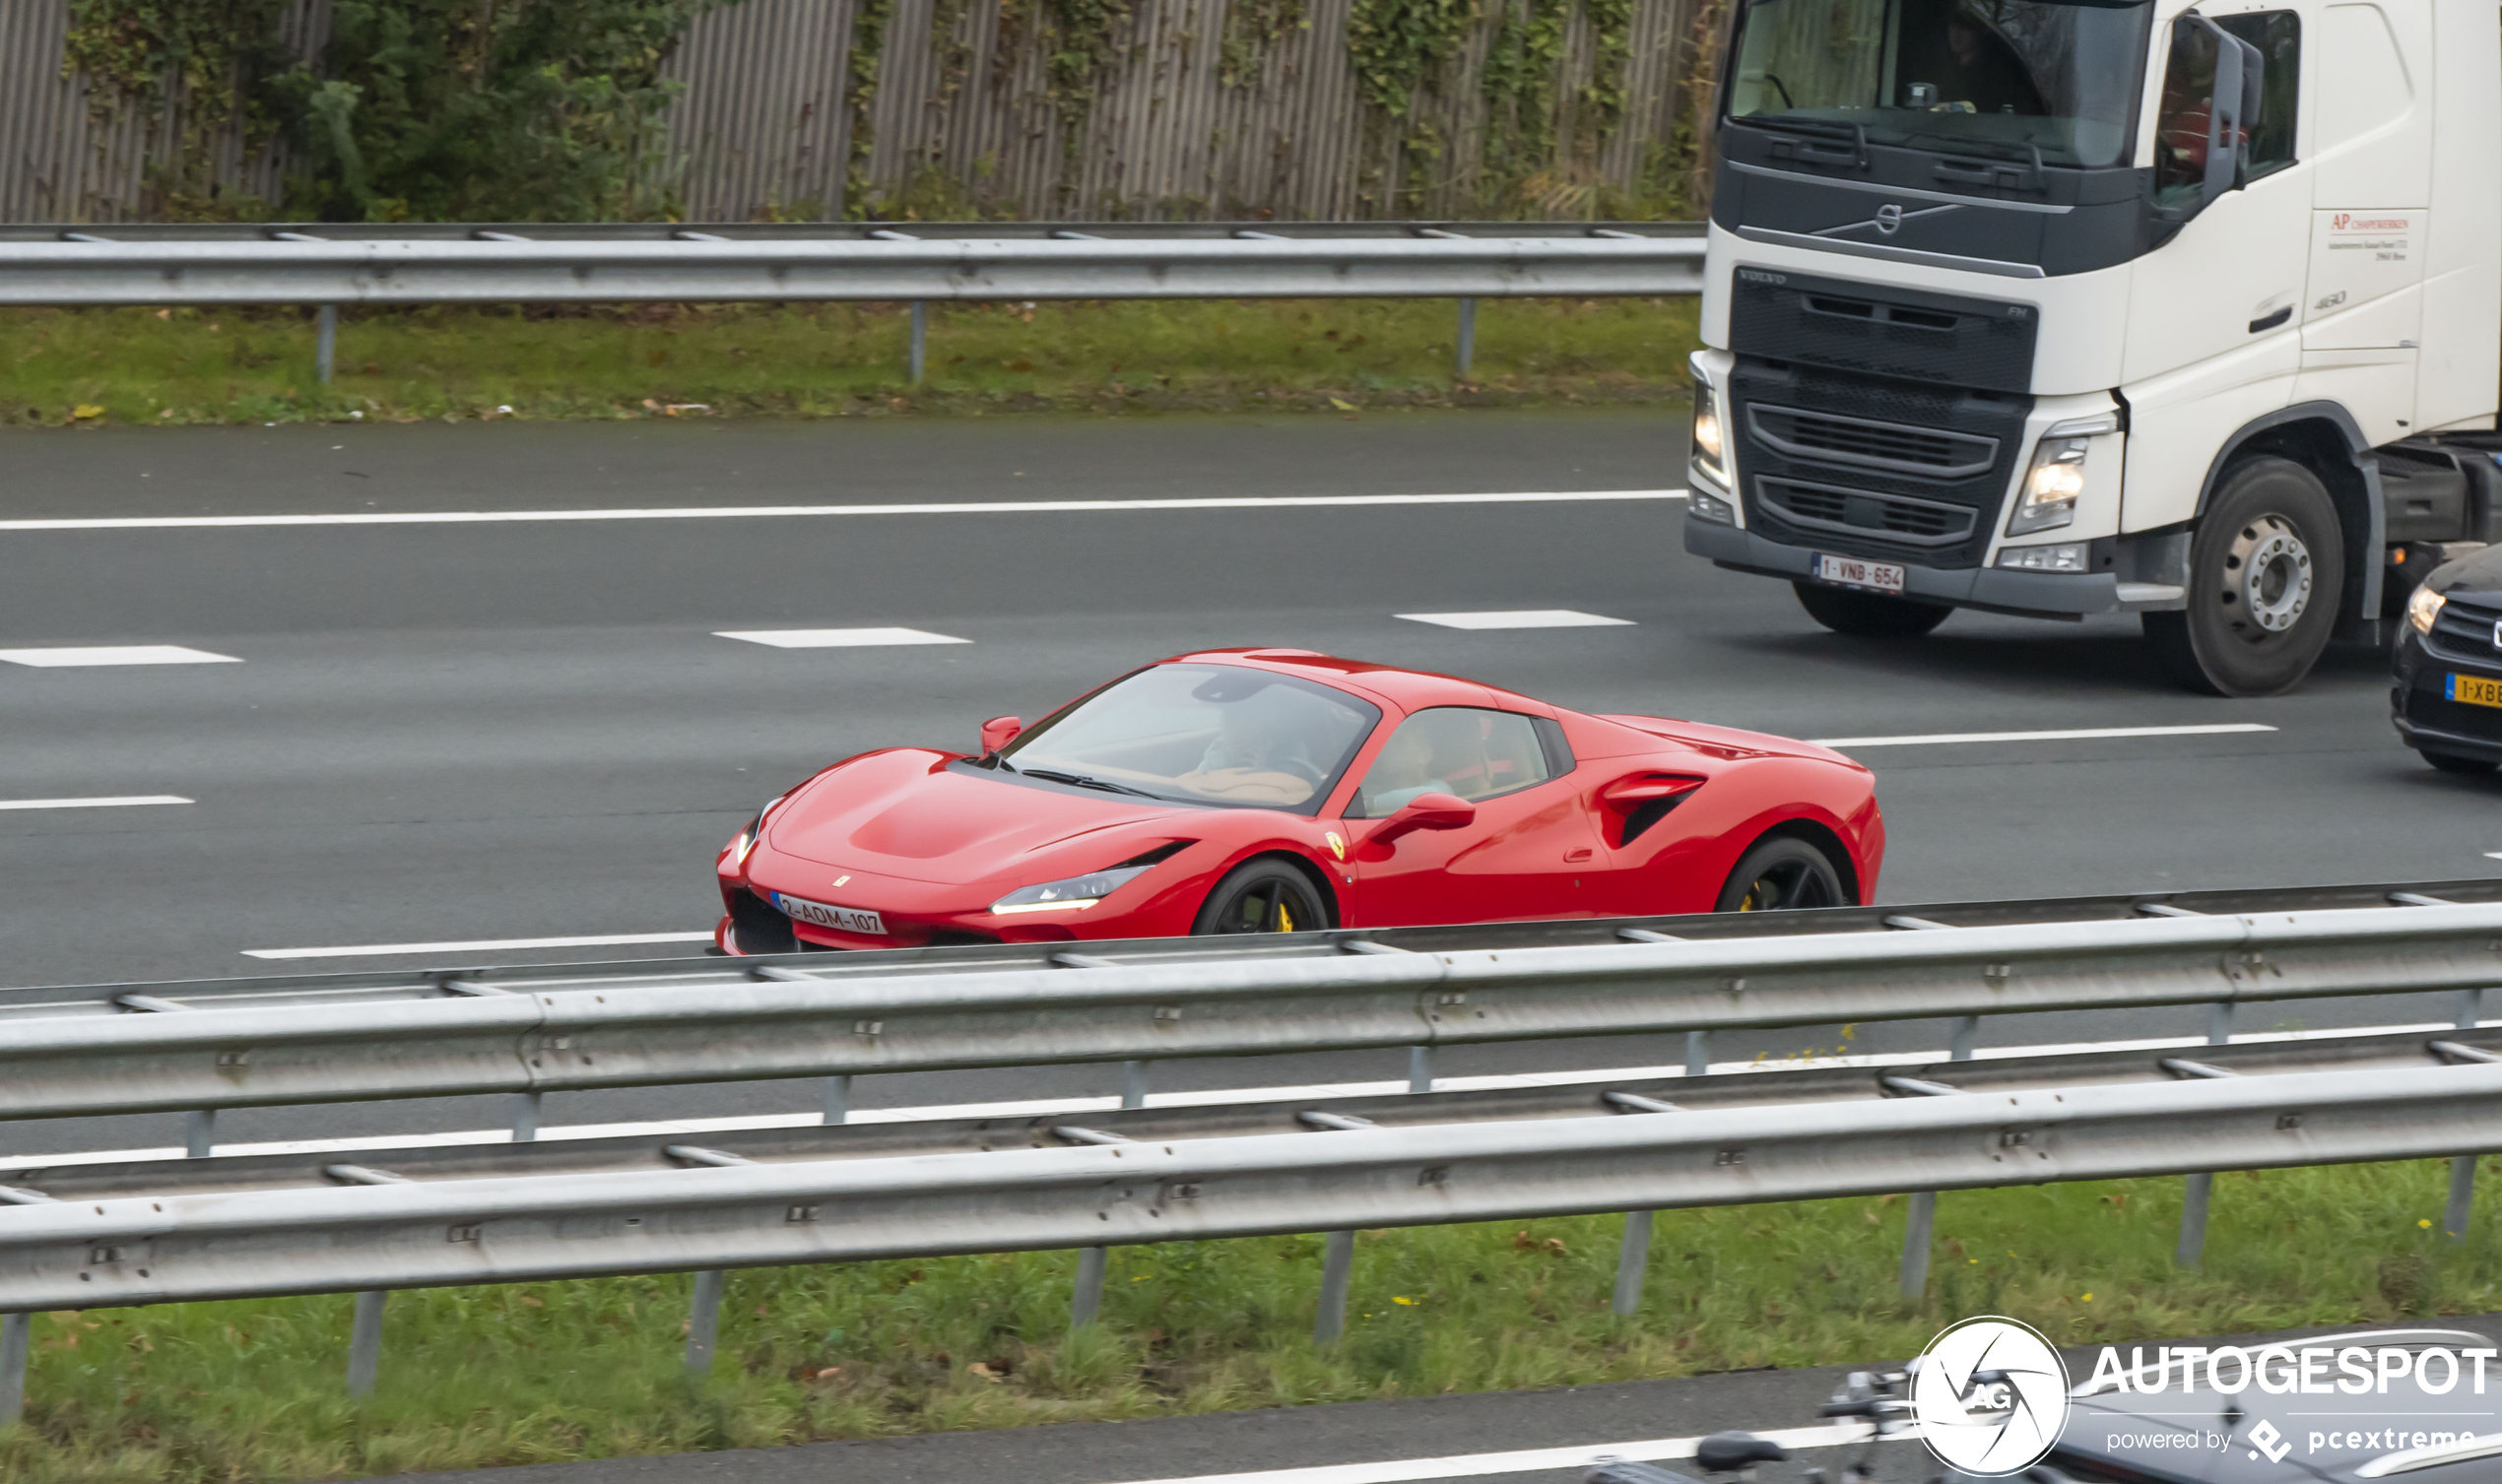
(907, 814)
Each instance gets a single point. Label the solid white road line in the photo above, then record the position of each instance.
(2076, 733)
(482, 946)
(115, 654)
(120, 802)
(1527, 617)
(835, 638)
(1528, 1461)
(1031, 1108)
(753, 512)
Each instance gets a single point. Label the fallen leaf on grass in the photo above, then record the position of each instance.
(982, 1369)
(1341, 405)
(85, 411)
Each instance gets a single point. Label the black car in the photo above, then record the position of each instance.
(2447, 700)
(2406, 1431)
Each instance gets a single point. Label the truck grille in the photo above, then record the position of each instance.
(1884, 517)
(1862, 443)
(1878, 467)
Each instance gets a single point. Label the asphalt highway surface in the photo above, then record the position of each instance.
(503, 731)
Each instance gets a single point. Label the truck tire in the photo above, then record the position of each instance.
(1870, 615)
(2265, 569)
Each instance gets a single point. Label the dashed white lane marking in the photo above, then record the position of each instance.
(482, 946)
(1527, 617)
(118, 801)
(115, 654)
(835, 638)
(2074, 734)
(1525, 1461)
(756, 512)
(1030, 1108)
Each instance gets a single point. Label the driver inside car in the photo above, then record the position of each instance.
(1402, 774)
(1259, 755)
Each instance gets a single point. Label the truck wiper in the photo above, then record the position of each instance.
(1083, 781)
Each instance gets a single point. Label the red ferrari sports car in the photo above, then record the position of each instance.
(1275, 790)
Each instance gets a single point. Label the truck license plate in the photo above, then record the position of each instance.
(1850, 571)
(840, 918)
(2473, 689)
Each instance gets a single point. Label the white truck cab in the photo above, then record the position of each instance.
(2059, 308)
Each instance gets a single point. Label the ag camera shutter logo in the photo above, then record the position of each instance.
(1990, 1396)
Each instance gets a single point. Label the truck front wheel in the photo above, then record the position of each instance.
(2266, 568)
(1870, 615)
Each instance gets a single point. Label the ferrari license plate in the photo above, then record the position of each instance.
(821, 915)
(1850, 571)
(2475, 690)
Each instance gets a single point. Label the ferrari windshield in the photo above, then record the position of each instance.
(1201, 734)
(1990, 77)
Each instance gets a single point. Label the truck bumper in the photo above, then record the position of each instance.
(2039, 595)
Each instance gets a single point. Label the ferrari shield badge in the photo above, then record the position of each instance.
(1337, 846)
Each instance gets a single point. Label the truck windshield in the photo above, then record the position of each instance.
(1989, 77)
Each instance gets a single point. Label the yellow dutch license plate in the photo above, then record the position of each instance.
(2475, 690)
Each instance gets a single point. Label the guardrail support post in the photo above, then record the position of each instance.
(1632, 1261)
(199, 1133)
(839, 1100)
(1132, 1084)
(920, 337)
(1920, 1222)
(325, 342)
(2470, 1009)
(1698, 1053)
(703, 1322)
(13, 1333)
(1468, 334)
(1419, 1069)
(2195, 1188)
(1085, 1300)
(1338, 1265)
(525, 1117)
(2463, 1194)
(364, 1343)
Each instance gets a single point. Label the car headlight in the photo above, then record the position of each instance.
(1710, 451)
(2424, 608)
(1074, 893)
(2051, 487)
(744, 843)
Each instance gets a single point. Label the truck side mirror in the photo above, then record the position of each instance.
(2240, 74)
(999, 731)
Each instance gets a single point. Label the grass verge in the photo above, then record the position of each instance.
(544, 1372)
(229, 365)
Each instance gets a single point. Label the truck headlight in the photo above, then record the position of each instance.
(1710, 453)
(2068, 556)
(1075, 893)
(2424, 608)
(2057, 477)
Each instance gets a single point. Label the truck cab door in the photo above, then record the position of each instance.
(2215, 334)
(2363, 321)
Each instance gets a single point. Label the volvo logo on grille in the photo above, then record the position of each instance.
(2497, 633)
(1889, 219)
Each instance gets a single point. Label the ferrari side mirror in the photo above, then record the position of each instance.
(1426, 811)
(999, 731)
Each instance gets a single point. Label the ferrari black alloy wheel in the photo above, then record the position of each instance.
(1263, 897)
(1781, 873)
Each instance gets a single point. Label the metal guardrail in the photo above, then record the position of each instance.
(684, 1023)
(235, 1225)
(328, 266)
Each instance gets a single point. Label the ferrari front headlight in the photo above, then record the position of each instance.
(744, 843)
(1071, 894)
(2424, 608)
